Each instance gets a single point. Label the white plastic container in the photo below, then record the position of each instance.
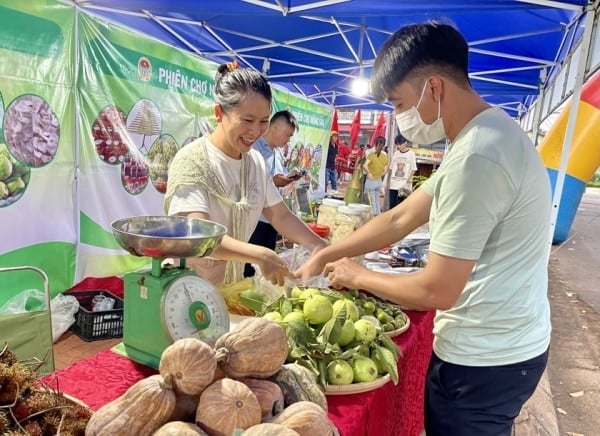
(328, 212)
(347, 220)
(365, 210)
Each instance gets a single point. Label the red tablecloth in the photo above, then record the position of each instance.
(390, 410)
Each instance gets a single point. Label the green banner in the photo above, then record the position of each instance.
(37, 143)
(308, 147)
(88, 129)
(140, 101)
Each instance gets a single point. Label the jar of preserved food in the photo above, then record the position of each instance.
(347, 220)
(365, 210)
(328, 212)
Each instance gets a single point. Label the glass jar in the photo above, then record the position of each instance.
(347, 220)
(365, 210)
(328, 212)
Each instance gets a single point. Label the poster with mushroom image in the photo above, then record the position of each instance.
(138, 104)
(37, 144)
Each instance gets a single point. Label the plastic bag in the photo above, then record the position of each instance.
(30, 300)
(294, 258)
(63, 308)
(63, 311)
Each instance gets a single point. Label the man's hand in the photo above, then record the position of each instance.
(280, 180)
(344, 273)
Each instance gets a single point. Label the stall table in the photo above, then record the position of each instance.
(389, 410)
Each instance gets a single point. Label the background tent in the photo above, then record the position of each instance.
(317, 47)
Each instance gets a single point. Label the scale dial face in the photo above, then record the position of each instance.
(192, 308)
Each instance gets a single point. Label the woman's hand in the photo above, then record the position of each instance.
(311, 268)
(344, 273)
(273, 268)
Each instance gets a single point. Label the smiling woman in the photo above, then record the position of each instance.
(219, 177)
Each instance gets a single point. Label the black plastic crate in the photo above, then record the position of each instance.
(93, 326)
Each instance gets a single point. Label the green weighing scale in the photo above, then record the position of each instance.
(167, 303)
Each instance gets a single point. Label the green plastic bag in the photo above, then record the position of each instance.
(29, 334)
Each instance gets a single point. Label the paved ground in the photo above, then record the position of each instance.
(567, 401)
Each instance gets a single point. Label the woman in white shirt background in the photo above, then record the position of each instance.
(220, 177)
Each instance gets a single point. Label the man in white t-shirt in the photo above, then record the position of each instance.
(402, 168)
(488, 208)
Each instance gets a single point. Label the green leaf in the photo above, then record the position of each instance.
(301, 334)
(389, 344)
(298, 352)
(322, 365)
(309, 363)
(388, 361)
(348, 354)
(275, 306)
(332, 294)
(342, 315)
(330, 332)
(286, 307)
(253, 300)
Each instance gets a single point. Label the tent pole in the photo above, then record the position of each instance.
(539, 107)
(76, 142)
(586, 41)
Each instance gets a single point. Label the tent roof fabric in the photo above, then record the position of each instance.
(317, 47)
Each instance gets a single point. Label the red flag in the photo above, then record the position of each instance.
(379, 129)
(334, 126)
(355, 130)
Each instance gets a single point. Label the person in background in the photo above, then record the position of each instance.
(488, 207)
(402, 168)
(282, 127)
(219, 177)
(330, 176)
(342, 159)
(375, 166)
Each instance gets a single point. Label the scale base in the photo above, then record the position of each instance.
(136, 355)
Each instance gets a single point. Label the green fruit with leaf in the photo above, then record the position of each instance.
(365, 332)
(294, 316)
(364, 369)
(296, 292)
(339, 372)
(347, 333)
(308, 292)
(351, 309)
(273, 316)
(317, 309)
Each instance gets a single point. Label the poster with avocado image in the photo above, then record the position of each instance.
(307, 149)
(37, 153)
(140, 102)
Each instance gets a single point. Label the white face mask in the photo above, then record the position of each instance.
(413, 128)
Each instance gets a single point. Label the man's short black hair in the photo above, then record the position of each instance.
(287, 116)
(416, 50)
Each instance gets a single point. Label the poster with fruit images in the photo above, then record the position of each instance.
(37, 153)
(140, 100)
(91, 116)
(306, 151)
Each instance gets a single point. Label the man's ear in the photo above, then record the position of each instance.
(218, 113)
(436, 85)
